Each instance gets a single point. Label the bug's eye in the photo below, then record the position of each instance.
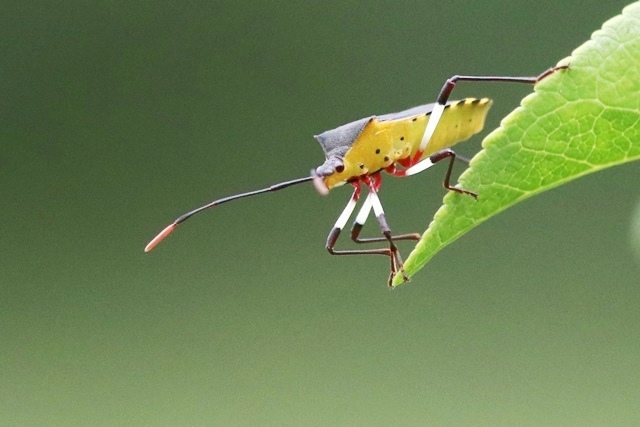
(339, 168)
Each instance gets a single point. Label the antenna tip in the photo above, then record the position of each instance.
(164, 233)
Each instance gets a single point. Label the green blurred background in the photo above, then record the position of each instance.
(118, 116)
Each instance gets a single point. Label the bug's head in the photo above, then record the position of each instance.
(329, 174)
(335, 143)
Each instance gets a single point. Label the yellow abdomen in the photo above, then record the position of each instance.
(391, 138)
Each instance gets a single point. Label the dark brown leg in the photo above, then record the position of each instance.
(358, 224)
(355, 236)
(445, 92)
(448, 153)
(451, 83)
(392, 252)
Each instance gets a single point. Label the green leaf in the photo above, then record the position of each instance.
(577, 121)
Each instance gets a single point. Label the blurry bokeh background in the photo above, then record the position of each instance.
(118, 116)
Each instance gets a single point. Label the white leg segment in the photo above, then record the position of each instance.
(364, 211)
(346, 214)
(375, 202)
(419, 167)
(434, 119)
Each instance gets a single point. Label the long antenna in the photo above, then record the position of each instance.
(164, 233)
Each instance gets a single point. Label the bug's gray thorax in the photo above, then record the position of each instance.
(336, 142)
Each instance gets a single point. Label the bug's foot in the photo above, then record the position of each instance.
(470, 193)
(396, 266)
(392, 276)
(405, 277)
(552, 70)
(463, 191)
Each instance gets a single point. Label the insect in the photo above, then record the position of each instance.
(400, 144)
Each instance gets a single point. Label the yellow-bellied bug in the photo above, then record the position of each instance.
(400, 144)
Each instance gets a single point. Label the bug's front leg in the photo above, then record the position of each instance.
(391, 252)
(361, 218)
(384, 228)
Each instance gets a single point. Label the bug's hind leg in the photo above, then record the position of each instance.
(446, 90)
(448, 87)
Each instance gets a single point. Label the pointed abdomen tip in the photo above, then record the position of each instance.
(164, 233)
